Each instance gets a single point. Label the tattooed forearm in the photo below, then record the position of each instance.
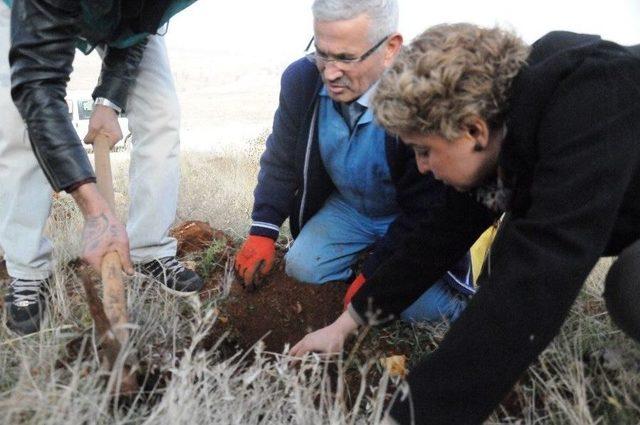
(95, 228)
(103, 232)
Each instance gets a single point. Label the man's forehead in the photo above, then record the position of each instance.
(346, 35)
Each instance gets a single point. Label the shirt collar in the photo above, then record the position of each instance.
(365, 99)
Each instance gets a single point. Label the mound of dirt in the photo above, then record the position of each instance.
(282, 310)
(196, 235)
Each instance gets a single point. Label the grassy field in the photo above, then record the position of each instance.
(590, 374)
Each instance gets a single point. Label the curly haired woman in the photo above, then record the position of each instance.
(549, 134)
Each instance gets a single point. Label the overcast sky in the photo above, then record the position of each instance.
(281, 28)
(227, 56)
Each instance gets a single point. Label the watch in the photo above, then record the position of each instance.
(106, 102)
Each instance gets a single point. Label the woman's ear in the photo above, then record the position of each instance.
(478, 130)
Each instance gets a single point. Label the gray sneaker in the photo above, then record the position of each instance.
(173, 275)
(25, 305)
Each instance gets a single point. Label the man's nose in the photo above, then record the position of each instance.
(332, 71)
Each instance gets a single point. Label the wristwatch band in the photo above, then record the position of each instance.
(106, 102)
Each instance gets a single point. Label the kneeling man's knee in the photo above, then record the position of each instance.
(300, 268)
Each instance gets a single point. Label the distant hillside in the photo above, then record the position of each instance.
(226, 98)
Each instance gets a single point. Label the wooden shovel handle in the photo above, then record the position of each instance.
(114, 299)
(101, 150)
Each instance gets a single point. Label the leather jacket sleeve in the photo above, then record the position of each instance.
(43, 44)
(118, 75)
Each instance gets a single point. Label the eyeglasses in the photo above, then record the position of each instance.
(344, 61)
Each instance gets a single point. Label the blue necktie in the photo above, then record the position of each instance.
(351, 112)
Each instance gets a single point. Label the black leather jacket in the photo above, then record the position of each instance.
(43, 35)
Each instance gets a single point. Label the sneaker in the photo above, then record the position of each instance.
(25, 305)
(173, 275)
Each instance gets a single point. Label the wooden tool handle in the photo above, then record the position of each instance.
(101, 150)
(114, 299)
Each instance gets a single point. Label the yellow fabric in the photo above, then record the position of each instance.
(480, 249)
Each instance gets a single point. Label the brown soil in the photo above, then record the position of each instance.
(280, 311)
(193, 236)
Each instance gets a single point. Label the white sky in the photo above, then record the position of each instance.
(280, 29)
(227, 56)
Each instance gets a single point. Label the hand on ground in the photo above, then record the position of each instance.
(326, 340)
(255, 258)
(329, 339)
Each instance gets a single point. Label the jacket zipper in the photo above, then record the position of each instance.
(41, 160)
(307, 157)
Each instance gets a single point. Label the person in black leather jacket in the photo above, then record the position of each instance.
(135, 78)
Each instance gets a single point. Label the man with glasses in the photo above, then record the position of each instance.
(344, 184)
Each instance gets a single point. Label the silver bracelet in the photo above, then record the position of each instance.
(106, 102)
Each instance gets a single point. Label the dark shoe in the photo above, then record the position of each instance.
(173, 275)
(25, 305)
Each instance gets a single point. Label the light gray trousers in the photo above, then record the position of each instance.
(26, 197)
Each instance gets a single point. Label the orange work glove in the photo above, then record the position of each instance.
(353, 288)
(255, 258)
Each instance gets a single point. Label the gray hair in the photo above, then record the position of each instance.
(384, 14)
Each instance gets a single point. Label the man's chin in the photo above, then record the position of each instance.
(345, 96)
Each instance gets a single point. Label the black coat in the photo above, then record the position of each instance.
(572, 157)
(44, 34)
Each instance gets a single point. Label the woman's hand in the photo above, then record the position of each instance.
(329, 339)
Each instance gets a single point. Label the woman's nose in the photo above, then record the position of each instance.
(423, 165)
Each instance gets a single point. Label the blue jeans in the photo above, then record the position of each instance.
(330, 242)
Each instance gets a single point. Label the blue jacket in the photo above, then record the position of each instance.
(293, 182)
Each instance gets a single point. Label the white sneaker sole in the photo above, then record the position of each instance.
(176, 293)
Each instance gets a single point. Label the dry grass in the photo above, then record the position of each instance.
(590, 374)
